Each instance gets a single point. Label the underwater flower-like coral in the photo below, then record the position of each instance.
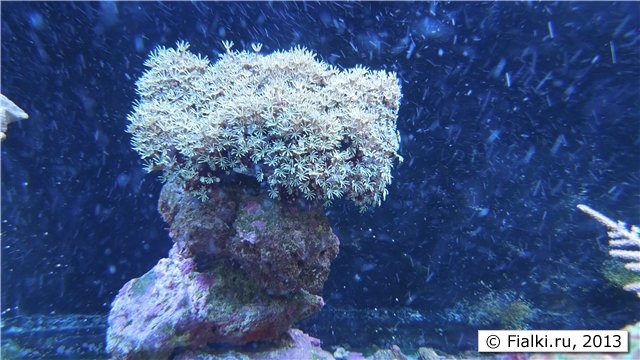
(298, 125)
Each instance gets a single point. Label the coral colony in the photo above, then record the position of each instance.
(250, 147)
(299, 126)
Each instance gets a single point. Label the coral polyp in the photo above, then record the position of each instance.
(299, 125)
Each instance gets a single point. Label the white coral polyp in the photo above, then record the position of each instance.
(311, 130)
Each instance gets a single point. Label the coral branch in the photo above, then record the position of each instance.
(9, 112)
(620, 237)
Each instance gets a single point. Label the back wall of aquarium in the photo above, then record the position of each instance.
(511, 115)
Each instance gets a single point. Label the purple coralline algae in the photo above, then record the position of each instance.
(284, 247)
(242, 268)
(294, 345)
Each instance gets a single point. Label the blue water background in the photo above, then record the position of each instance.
(512, 113)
